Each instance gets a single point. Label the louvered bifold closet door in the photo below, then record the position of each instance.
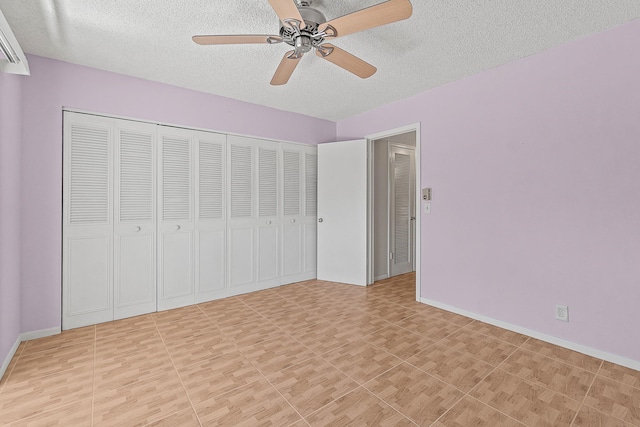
(268, 229)
(87, 271)
(402, 210)
(241, 248)
(135, 218)
(176, 224)
(310, 211)
(211, 225)
(292, 208)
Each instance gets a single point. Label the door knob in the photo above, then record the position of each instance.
(177, 227)
(268, 222)
(320, 219)
(138, 228)
(413, 218)
(292, 221)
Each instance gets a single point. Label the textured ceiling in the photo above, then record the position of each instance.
(443, 41)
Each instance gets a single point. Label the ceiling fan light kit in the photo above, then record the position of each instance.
(305, 28)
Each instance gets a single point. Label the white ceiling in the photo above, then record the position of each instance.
(443, 41)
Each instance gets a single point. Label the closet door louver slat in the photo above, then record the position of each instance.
(241, 176)
(267, 182)
(89, 175)
(402, 194)
(311, 184)
(211, 185)
(136, 177)
(291, 169)
(176, 179)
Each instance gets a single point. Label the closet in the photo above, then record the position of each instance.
(158, 217)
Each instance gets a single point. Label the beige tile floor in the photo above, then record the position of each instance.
(313, 353)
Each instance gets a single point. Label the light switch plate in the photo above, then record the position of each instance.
(427, 208)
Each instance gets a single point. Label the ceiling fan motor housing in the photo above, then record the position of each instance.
(306, 38)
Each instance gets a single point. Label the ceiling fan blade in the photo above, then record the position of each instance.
(287, 9)
(237, 39)
(371, 17)
(345, 60)
(285, 69)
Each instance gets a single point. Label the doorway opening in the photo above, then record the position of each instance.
(394, 203)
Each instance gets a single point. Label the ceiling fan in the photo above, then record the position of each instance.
(305, 28)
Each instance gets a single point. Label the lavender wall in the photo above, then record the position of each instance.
(535, 168)
(55, 84)
(10, 123)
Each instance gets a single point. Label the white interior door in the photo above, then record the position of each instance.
(310, 212)
(292, 214)
(241, 250)
(135, 219)
(342, 212)
(402, 210)
(211, 225)
(268, 228)
(176, 225)
(87, 270)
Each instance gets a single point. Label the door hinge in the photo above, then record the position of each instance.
(390, 255)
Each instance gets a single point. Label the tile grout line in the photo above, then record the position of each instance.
(54, 408)
(390, 406)
(175, 369)
(573, 420)
(328, 362)
(255, 367)
(480, 382)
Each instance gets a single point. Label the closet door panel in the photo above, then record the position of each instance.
(241, 247)
(177, 265)
(292, 227)
(135, 292)
(211, 271)
(87, 270)
(292, 254)
(267, 256)
(89, 280)
(176, 226)
(210, 216)
(135, 223)
(310, 243)
(310, 211)
(242, 259)
(268, 225)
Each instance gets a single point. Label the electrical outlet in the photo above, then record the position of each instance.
(562, 312)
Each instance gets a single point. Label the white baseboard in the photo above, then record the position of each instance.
(26, 337)
(613, 358)
(7, 360)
